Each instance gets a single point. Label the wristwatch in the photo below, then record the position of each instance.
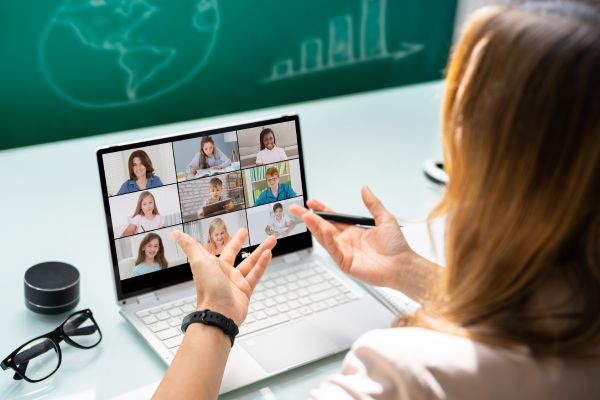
(212, 318)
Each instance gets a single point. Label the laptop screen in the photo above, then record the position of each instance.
(208, 184)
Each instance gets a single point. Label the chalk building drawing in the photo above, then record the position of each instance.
(341, 51)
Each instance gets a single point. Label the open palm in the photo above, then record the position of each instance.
(372, 255)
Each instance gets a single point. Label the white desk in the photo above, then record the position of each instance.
(52, 210)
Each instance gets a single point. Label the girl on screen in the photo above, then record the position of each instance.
(145, 217)
(209, 157)
(269, 152)
(151, 256)
(218, 236)
(141, 174)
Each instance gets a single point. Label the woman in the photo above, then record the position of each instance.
(515, 312)
(209, 157)
(141, 174)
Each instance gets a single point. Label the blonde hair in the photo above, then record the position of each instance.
(211, 246)
(138, 207)
(521, 135)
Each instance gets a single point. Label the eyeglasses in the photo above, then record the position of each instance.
(39, 358)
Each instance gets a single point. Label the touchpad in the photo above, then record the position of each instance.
(288, 346)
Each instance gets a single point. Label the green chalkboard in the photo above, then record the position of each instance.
(73, 68)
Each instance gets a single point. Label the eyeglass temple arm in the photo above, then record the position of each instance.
(71, 328)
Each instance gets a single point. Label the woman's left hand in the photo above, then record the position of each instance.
(220, 286)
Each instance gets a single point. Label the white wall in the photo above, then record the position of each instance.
(466, 7)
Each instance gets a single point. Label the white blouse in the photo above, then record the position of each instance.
(419, 364)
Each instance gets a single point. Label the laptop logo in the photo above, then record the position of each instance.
(245, 254)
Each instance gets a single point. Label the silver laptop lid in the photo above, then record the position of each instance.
(153, 187)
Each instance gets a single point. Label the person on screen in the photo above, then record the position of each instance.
(218, 236)
(141, 174)
(215, 186)
(269, 152)
(151, 256)
(275, 191)
(145, 217)
(209, 157)
(280, 224)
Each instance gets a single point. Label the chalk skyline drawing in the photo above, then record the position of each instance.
(372, 45)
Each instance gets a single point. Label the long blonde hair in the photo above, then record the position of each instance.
(138, 207)
(211, 246)
(521, 135)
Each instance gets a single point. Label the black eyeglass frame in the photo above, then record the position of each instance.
(55, 336)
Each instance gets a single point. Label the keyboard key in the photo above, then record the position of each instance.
(258, 306)
(168, 333)
(331, 302)
(260, 315)
(270, 312)
(270, 302)
(305, 310)
(259, 296)
(319, 288)
(294, 314)
(302, 292)
(155, 310)
(305, 301)
(167, 307)
(188, 308)
(173, 342)
(313, 280)
(178, 303)
(265, 323)
(324, 295)
(282, 308)
(250, 319)
(294, 304)
(176, 322)
(280, 281)
(175, 312)
(318, 306)
(281, 290)
(280, 299)
(149, 319)
(158, 326)
(174, 350)
(270, 293)
(269, 284)
(143, 313)
(162, 315)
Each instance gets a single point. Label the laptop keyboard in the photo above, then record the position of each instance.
(279, 297)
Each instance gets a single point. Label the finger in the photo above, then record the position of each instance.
(376, 208)
(192, 249)
(233, 247)
(325, 234)
(246, 265)
(259, 269)
(318, 206)
(297, 210)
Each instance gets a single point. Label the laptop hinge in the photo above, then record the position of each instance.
(147, 298)
(291, 258)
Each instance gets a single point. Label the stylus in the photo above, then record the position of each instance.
(346, 219)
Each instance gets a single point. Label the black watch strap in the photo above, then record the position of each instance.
(212, 318)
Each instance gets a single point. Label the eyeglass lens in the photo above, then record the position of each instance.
(82, 330)
(37, 359)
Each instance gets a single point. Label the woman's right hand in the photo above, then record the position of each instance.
(373, 255)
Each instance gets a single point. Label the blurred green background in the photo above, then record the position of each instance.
(75, 68)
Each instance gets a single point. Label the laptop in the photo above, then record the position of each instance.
(302, 310)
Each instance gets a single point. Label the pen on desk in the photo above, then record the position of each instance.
(347, 219)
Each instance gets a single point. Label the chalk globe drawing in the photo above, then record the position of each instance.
(110, 53)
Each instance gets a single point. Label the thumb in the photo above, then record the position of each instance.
(376, 208)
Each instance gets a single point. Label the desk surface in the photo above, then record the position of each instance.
(52, 210)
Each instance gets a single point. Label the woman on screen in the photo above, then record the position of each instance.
(141, 174)
(209, 157)
(151, 256)
(218, 236)
(145, 217)
(269, 152)
(275, 191)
